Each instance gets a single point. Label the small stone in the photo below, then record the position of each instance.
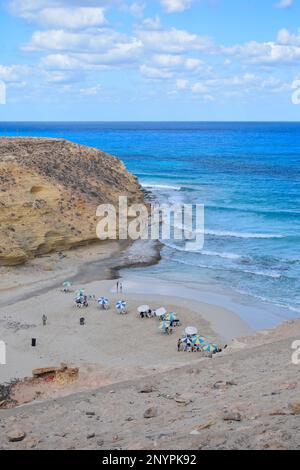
(184, 399)
(91, 435)
(295, 408)
(16, 435)
(232, 416)
(278, 413)
(194, 433)
(288, 386)
(100, 443)
(151, 413)
(90, 413)
(147, 389)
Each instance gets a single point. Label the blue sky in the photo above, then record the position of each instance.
(149, 59)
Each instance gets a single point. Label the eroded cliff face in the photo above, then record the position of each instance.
(49, 192)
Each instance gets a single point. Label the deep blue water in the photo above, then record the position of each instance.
(246, 174)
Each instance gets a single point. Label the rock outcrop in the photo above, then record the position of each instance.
(49, 192)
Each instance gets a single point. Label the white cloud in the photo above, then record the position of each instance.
(91, 91)
(176, 6)
(13, 73)
(152, 23)
(167, 60)
(268, 53)
(72, 18)
(284, 37)
(193, 64)
(60, 40)
(173, 41)
(182, 84)
(154, 72)
(199, 88)
(285, 3)
(75, 46)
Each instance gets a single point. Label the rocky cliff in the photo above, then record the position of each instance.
(49, 192)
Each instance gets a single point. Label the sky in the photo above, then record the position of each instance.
(150, 60)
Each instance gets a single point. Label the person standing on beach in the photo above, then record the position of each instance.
(121, 287)
(117, 286)
(44, 319)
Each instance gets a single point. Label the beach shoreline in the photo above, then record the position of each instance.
(31, 290)
(126, 363)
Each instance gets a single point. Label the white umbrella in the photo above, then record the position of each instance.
(143, 308)
(160, 312)
(191, 330)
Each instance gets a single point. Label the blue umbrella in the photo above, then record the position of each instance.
(121, 305)
(103, 301)
(186, 340)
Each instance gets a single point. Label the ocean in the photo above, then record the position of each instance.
(248, 177)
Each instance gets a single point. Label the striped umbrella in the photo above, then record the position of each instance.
(186, 340)
(198, 340)
(103, 301)
(121, 305)
(211, 347)
(171, 316)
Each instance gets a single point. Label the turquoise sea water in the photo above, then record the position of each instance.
(248, 177)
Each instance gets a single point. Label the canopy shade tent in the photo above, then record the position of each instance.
(191, 330)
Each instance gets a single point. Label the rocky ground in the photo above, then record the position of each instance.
(247, 398)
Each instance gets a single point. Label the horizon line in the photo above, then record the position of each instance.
(153, 121)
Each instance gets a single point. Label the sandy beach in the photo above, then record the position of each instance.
(125, 346)
(125, 362)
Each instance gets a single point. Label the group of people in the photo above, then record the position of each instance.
(147, 314)
(81, 301)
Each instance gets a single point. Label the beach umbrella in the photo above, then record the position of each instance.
(171, 316)
(80, 293)
(198, 339)
(67, 285)
(191, 331)
(210, 347)
(160, 312)
(143, 308)
(164, 324)
(103, 301)
(186, 340)
(121, 305)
